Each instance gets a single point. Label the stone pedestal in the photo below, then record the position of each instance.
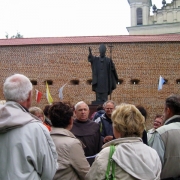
(97, 103)
(93, 106)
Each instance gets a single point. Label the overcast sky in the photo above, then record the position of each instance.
(59, 18)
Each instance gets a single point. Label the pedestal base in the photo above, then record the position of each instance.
(97, 102)
(93, 106)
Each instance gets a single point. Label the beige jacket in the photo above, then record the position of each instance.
(71, 159)
(134, 160)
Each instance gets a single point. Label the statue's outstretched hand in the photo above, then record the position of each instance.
(90, 52)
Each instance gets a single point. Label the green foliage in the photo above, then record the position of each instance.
(18, 35)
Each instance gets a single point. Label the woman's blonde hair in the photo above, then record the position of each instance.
(128, 120)
(34, 110)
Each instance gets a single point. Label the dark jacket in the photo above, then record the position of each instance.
(144, 137)
(105, 125)
(98, 114)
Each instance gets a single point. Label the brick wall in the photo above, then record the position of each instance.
(62, 63)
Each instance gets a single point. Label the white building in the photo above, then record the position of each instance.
(163, 21)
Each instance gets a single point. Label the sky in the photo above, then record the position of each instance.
(64, 18)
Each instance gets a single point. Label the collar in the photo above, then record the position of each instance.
(168, 121)
(17, 104)
(64, 132)
(107, 118)
(79, 121)
(25, 108)
(122, 140)
(151, 131)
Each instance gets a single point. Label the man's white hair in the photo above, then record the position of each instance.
(80, 102)
(17, 88)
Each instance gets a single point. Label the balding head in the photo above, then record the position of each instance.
(81, 111)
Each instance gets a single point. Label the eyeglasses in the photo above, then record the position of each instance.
(109, 108)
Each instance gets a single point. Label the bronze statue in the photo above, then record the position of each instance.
(104, 76)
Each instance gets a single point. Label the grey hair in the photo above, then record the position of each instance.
(17, 88)
(109, 101)
(80, 102)
(34, 110)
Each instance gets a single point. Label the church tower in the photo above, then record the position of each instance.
(140, 12)
(162, 21)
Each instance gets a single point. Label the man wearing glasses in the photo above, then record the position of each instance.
(105, 121)
(158, 122)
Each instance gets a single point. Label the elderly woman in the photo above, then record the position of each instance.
(132, 158)
(71, 159)
(38, 112)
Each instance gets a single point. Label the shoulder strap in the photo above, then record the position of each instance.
(111, 163)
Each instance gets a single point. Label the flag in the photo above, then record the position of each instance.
(161, 82)
(48, 95)
(61, 92)
(38, 96)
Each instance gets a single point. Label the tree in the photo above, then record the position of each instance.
(18, 35)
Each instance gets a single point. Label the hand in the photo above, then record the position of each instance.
(107, 139)
(90, 53)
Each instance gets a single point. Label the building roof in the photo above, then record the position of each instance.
(90, 39)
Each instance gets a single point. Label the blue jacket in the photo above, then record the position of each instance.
(98, 114)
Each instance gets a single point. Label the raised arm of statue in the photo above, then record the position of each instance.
(90, 55)
(90, 52)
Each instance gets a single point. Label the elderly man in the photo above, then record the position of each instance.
(158, 122)
(167, 139)
(26, 148)
(106, 122)
(87, 131)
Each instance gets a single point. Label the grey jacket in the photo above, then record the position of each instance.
(150, 136)
(27, 151)
(167, 144)
(134, 160)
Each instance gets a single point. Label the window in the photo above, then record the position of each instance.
(49, 82)
(34, 82)
(178, 81)
(166, 81)
(139, 16)
(120, 81)
(74, 82)
(89, 81)
(135, 81)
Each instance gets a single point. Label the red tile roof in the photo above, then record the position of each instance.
(90, 39)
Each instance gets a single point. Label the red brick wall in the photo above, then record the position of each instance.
(63, 63)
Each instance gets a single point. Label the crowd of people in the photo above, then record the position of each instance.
(62, 142)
